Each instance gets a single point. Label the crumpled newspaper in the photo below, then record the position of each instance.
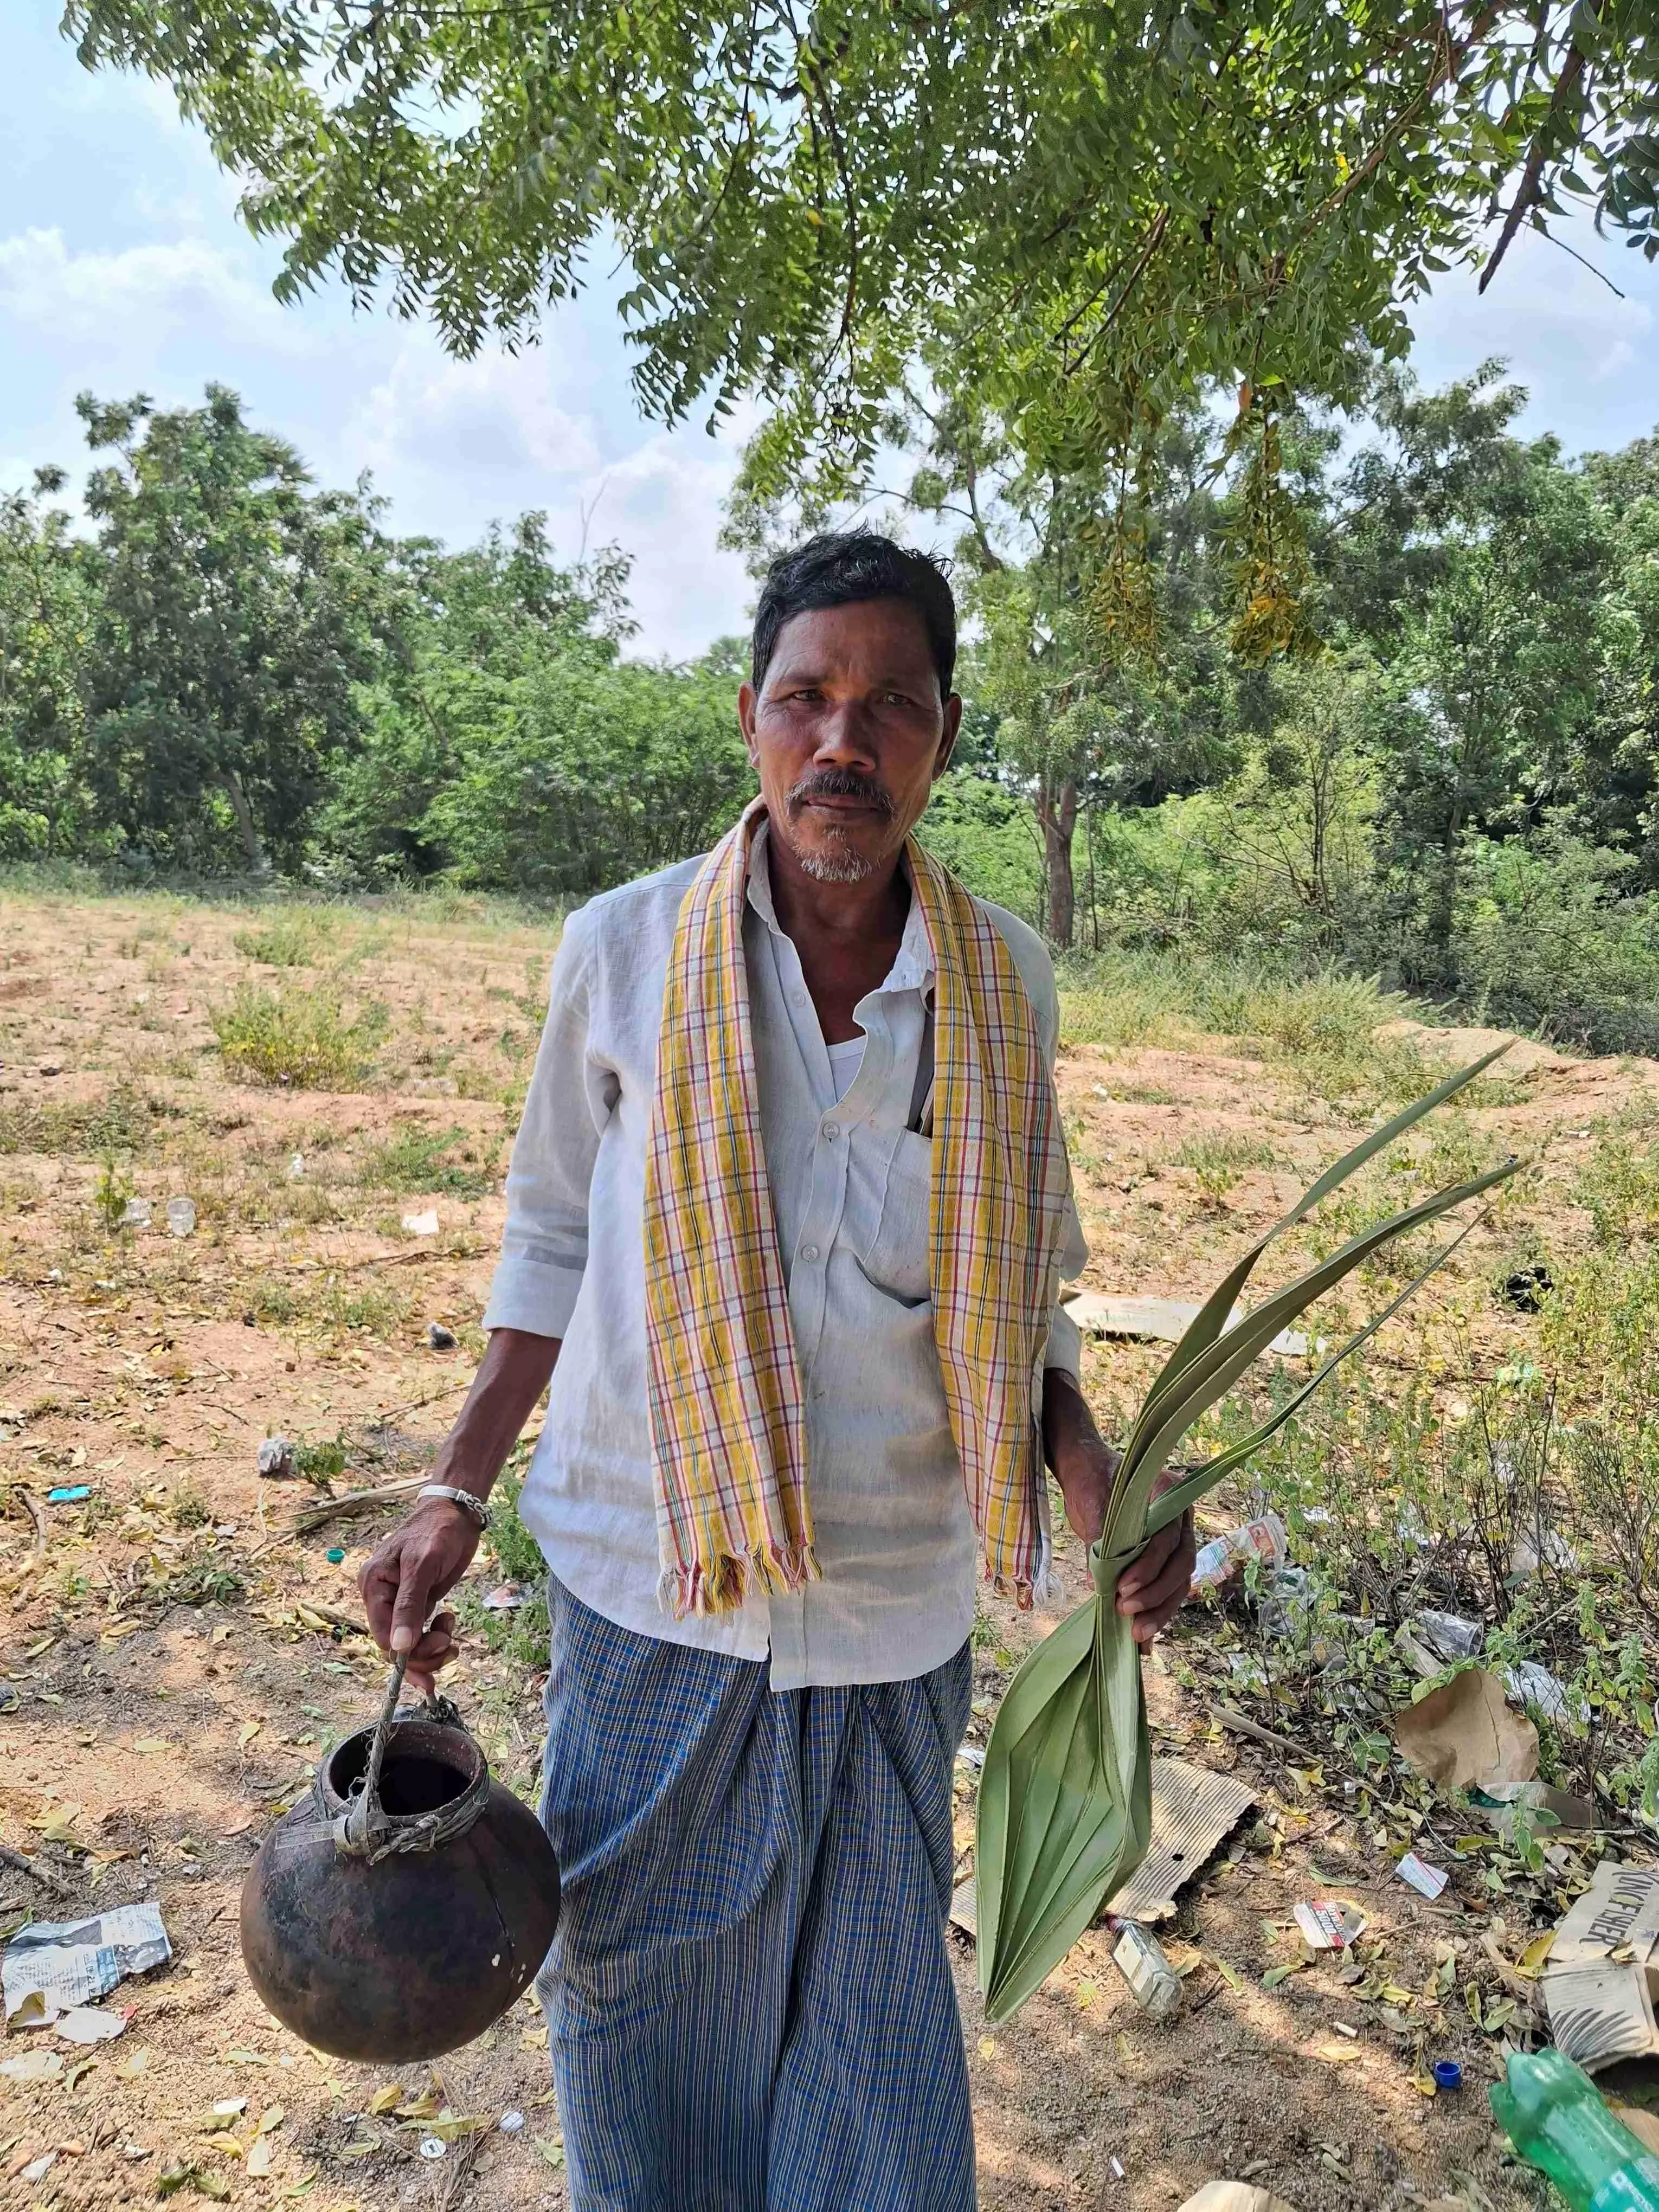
(53, 1965)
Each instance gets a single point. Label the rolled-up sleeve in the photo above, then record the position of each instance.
(544, 1243)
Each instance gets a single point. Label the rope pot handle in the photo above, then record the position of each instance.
(366, 1830)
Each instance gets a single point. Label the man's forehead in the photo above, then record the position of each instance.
(890, 630)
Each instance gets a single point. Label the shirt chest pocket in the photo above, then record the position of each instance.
(896, 1257)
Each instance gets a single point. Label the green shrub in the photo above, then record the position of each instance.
(300, 1037)
(291, 936)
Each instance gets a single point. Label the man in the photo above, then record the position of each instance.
(787, 1220)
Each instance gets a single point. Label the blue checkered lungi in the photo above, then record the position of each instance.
(749, 1999)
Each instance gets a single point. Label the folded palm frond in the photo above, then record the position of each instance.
(1064, 1801)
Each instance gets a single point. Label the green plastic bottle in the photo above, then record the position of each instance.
(1553, 2114)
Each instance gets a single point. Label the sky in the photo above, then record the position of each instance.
(123, 269)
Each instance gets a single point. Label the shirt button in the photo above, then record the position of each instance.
(809, 1251)
(832, 1130)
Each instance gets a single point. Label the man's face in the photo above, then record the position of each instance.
(848, 733)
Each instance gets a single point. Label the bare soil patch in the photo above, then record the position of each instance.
(175, 1669)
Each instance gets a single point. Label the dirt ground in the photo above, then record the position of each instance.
(174, 1665)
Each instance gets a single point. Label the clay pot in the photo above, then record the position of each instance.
(409, 1933)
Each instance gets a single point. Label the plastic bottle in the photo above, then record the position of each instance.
(1153, 1982)
(1553, 2114)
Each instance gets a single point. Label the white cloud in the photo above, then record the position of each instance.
(1584, 354)
(455, 444)
(107, 299)
(495, 419)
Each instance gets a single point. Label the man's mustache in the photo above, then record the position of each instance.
(838, 783)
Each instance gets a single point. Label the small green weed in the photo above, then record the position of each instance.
(516, 1550)
(413, 1160)
(322, 1462)
(110, 1194)
(186, 1508)
(1217, 1163)
(298, 1036)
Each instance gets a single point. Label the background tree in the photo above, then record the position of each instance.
(48, 594)
(236, 611)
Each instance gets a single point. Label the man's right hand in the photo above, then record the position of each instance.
(404, 1577)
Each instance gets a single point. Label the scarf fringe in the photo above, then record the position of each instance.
(702, 1590)
(1045, 1587)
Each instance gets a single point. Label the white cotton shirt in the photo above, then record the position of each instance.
(850, 1177)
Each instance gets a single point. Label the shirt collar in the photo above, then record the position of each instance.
(913, 965)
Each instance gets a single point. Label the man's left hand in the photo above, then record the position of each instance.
(1154, 1587)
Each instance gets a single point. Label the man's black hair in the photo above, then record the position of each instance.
(839, 567)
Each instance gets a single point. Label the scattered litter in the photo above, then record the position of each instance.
(1330, 1923)
(1416, 1654)
(1463, 1736)
(335, 1555)
(510, 2123)
(506, 1597)
(68, 1493)
(39, 2168)
(1286, 1602)
(1447, 2073)
(1601, 1975)
(53, 1965)
(423, 1224)
(1450, 1634)
(1234, 2197)
(1565, 1810)
(1193, 1809)
(34, 2066)
(1265, 1539)
(181, 1217)
(276, 1461)
(1530, 1683)
(970, 1754)
(1427, 1881)
(1153, 1982)
(1548, 1547)
(439, 1338)
(135, 1214)
(1120, 2172)
(296, 1167)
(90, 2024)
(1528, 1287)
(1156, 1321)
(434, 2146)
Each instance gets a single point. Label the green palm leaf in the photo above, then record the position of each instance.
(1064, 1801)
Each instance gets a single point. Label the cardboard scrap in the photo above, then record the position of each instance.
(53, 1967)
(1464, 1737)
(1192, 1810)
(1601, 1977)
(1156, 1321)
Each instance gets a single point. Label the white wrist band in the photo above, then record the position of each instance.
(465, 1498)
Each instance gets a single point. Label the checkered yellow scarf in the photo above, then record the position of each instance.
(727, 1427)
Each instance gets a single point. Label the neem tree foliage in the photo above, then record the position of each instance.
(1099, 208)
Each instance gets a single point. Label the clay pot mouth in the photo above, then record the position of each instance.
(426, 1767)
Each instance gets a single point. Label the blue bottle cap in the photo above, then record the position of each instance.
(335, 1555)
(1447, 2073)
